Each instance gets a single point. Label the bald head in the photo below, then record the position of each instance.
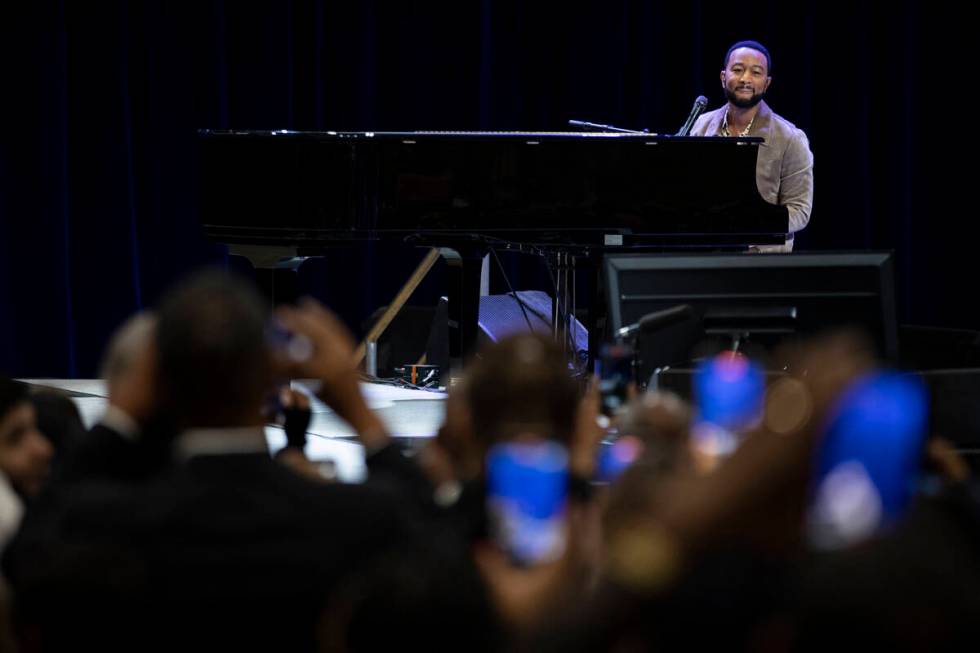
(128, 346)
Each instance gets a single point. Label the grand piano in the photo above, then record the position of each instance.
(275, 194)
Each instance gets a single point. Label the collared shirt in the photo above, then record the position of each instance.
(745, 132)
(221, 441)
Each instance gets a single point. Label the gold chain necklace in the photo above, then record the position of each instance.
(745, 132)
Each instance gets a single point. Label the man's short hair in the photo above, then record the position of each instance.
(755, 45)
(214, 361)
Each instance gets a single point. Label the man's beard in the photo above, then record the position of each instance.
(744, 103)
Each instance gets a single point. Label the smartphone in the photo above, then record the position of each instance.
(527, 494)
(729, 391)
(614, 456)
(293, 346)
(615, 375)
(870, 458)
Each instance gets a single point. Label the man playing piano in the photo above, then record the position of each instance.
(784, 170)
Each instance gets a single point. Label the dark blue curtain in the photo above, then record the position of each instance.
(101, 103)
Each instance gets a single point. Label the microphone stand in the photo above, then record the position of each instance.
(587, 126)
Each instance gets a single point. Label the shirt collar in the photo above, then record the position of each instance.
(222, 441)
(761, 123)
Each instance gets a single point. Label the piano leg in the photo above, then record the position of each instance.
(595, 320)
(563, 305)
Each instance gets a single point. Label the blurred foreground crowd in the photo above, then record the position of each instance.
(169, 526)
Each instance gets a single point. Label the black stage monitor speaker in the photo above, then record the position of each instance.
(954, 406)
(769, 296)
(938, 348)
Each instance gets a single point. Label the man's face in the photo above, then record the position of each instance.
(25, 454)
(745, 77)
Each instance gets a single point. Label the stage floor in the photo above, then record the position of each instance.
(409, 414)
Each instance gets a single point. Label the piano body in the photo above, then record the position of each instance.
(275, 194)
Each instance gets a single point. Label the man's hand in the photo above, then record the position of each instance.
(296, 414)
(588, 434)
(528, 597)
(332, 362)
(332, 356)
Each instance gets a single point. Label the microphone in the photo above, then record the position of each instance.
(658, 320)
(696, 110)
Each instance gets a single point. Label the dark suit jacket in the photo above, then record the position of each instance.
(104, 453)
(222, 552)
